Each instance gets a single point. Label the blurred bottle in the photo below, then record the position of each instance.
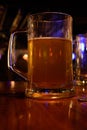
(23, 24)
(3, 44)
(16, 21)
(3, 11)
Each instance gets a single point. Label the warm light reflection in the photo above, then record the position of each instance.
(21, 116)
(29, 115)
(83, 89)
(39, 53)
(25, 57)
(70, 107)
(12, 84)
(54, 97)
(50, 52)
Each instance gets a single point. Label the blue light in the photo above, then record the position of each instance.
(73, 56)
(82, 46)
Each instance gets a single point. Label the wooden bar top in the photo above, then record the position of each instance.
(21, 113)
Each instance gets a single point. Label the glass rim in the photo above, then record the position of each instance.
(65, 15)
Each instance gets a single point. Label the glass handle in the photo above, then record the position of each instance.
(18, 53)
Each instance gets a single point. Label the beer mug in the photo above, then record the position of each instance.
(43, 55)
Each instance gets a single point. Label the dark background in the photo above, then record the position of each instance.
(78, 10)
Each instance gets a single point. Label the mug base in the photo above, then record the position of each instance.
(49, 93)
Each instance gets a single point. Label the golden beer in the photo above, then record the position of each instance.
(50, 62)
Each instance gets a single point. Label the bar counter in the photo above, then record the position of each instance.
(20, 113)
